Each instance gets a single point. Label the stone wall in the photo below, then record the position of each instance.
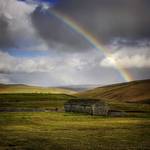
(92, 109)
(100, 109)
(78, 108)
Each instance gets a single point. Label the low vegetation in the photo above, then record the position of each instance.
(33, 101)
(136, 91)
(57, 130)
(132, 97)
(19, 88)
(61, 131)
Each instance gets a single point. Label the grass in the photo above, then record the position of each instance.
(48, 101)
(129, 107)
(64, 131)
(70, 131)
(135, 91)
(18, 88)
(33, 100)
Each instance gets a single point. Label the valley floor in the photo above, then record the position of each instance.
(68, 131)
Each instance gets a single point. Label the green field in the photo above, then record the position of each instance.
(20, 88)
(69, 131)
(37, 121)
(33, 101)
(41, 101)
(64, 131)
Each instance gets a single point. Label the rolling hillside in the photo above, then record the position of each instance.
(20, 88)
(136, 91)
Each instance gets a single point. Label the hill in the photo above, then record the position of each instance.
(80, 87)
(135, 91)
(20, 88)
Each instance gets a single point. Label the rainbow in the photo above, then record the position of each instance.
(92, 40)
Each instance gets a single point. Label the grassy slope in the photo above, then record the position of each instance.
(62, 131)
(136, 91)
(32, 89)
(68, 131)
(121, 96)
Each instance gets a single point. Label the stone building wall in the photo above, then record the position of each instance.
(97, 108)
(100, 109)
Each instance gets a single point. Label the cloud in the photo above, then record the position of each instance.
(16, 29)
(11, 64)
(5, 36)
(56, 33)
(121, 25)
(129, 57)
(79, 68)
(4, 79)
(105, 19)
(47, 70)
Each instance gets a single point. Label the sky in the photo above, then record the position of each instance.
(74, 42)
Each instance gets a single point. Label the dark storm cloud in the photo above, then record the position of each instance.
(55, 32)
(5, 35)
(104, 18)
(141, 73)
(107, 19)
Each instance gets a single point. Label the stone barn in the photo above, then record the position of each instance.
(87, 106)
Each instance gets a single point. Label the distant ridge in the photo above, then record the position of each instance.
(22, 88)
(135, 91)
(81, 87)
